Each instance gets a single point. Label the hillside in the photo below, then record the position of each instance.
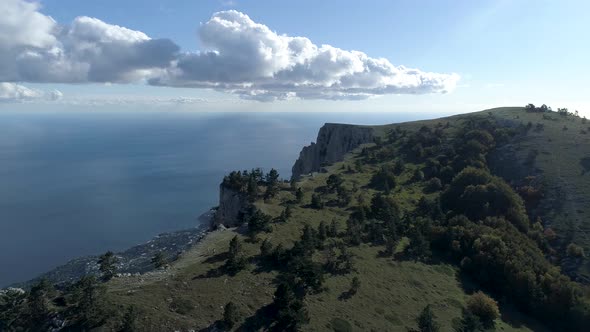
(391, 219)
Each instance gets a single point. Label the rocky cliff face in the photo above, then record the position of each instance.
(232, 207)
(333, 142)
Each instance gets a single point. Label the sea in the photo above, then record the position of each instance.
(82, 183)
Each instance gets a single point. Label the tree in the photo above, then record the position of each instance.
(272, 183)
(108, 265)
(355, 285)
(344, 196)
(316, 202)
(235, 260)
(333, 230)
(384, 179)
(159, 260)
(483, 307)
(38, 304)
(419, 247)
(426, 321)
(230, 315)
(88, 296)
(322, 231)
(384, 208)
(130, 320)
(390, 244)
(266, 248)
(259, 221)
(574, 250)
(308, 240)
(293, 184)
(12, 303)
(468, 323)
(291, 313)
(252, 188)
(299, 195)
(334, 182)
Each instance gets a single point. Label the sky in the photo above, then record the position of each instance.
(234, 55)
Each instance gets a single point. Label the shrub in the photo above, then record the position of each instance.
(340, 325)
(483, 307)
(574, 250)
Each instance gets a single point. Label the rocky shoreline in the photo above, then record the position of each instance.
(133, 261)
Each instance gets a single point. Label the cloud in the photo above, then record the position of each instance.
(34, 48)
(11, 92)
(240, 57)
(248, 59)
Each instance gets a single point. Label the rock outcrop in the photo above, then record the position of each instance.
(333, 142)
(232, 207)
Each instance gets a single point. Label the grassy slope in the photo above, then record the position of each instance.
(391, 296)
(567, 198)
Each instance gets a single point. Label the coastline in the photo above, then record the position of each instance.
(135, 260)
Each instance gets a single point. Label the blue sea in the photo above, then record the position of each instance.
(80, 183)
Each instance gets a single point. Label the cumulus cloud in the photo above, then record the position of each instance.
(11, 92)
(240, 56)
(34, 48)
(249, 59)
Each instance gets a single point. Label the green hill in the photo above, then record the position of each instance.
(422, 213)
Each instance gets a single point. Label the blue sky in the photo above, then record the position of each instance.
(505, 52)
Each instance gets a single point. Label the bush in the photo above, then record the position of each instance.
(483, 307)
(340, 325)
(574, 250)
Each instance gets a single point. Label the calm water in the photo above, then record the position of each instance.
(73, 184)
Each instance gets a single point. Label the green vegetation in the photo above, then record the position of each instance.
(404, 234)
(107, 265)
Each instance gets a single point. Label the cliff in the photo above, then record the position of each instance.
(233, 205)
(333, 142)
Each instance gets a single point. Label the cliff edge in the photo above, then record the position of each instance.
(333, 142)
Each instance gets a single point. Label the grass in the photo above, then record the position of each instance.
(192, 293)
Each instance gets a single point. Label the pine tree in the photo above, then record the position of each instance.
(130, 320)
(322, 231)
(272, 183)
(333, 230)
(108, 265)
(426, 321)
(291, 313)
(316, 202)
(38, 310)
(299, 195)
(355, 285)
(252, 188)
(236, 260)
(89, 298)
(230, 315)
(266, 248)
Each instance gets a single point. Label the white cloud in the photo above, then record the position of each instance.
(34, 48)
(247, 58)
(21, 24)
(240, 56)
(11, 92)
